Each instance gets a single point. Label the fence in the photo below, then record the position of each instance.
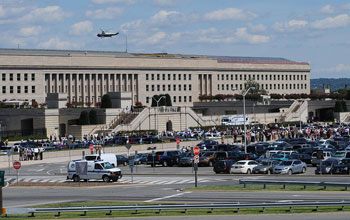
(300, 183)
(181, 207)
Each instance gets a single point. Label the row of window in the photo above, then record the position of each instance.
(19, 76)
(60, 89)
(169, 87)
(87, 99)
(175, 76)
(263, 86)
(261, 77)
(175, 99)
(19, 89)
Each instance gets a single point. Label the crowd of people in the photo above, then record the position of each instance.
(35, 153)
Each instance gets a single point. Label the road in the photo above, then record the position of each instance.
(313, 216)
(164, 184)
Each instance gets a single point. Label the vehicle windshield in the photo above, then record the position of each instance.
(207, 154)
(107, 165)
(339, 154)
(266, 163)
(344, 162)
(286, 163)
(327, 163)
(241, 163)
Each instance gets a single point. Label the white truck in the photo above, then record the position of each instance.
(95, 170)
(110, 158)
(234, 120)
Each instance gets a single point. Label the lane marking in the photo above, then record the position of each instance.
(167, 197)
(290, 201)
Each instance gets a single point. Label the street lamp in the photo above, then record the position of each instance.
(157, 121)
(244, 121)
(69, 142)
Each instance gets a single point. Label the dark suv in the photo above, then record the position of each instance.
(164, 158)
(223, 166)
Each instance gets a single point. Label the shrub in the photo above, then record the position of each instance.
(93, 117)
(84, 118)
(106, 101)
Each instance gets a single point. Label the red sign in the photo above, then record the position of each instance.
(16, 165)
(177, 140)
(196, 159)
(196, 150)
(91, 147)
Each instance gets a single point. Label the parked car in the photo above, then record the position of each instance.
(306, 158)
(207, 144)
(266, 167)
(186, 159)
(342, 167)
(327, 166)
(290, 167)
(122, 160)
(164, 158)
(342, 154)
(316, 158)
(207, 159)
(243, 166)
(281, 157)
(223, 166)
(140, 158)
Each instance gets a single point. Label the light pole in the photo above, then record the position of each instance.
(157, 121)
(69, 142)
(244, 121)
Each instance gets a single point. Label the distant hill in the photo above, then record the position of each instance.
(334, 83)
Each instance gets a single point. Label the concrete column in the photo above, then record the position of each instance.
(69, 84)
(200, 84)
(210, 84)
(205, 84)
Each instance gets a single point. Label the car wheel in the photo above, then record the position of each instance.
(290, 172)
(228, 171)
(304, 170)
(76, 178)
(217, 172)
(249, 171)
(152, 165)
(106, 179)
(165, 164)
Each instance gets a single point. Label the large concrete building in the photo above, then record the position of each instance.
(85, 76)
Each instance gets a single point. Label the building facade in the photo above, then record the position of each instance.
(85, 76)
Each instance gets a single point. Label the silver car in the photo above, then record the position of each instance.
(290, 167)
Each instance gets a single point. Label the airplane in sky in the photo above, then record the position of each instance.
(106, 34)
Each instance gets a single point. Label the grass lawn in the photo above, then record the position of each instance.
(114, 214)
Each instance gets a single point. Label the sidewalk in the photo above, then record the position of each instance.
(66, 155)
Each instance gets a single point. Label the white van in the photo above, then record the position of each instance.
(110, 158)
(95, 170)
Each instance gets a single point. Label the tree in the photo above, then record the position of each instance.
(257, 90)
(338, 107)
(106, 101)
(343, 104)
(84, 118)
(93, 117)
(162, 101)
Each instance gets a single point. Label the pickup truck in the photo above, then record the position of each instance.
(164, 158)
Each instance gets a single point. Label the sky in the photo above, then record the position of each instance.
(313, 31)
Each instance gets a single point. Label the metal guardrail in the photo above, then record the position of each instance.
(184, 207)
(300, 183)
